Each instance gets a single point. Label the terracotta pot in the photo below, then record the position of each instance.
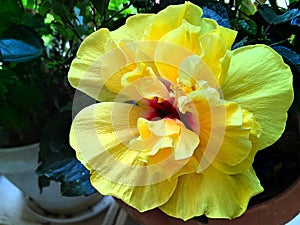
(277, 211)
(18, 166)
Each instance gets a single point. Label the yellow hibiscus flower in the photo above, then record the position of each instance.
(181, 116)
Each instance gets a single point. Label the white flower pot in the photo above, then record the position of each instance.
(19, 159)
(18, 165)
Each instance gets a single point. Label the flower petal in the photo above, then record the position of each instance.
(261, 83)
(84, 74)
(101, 136)
(186, 35)
(239, 146)
(171, 18)
(165, 133)
(213, 193)
(134, 28)
(212, 56)
(108, 126)
(142, 198)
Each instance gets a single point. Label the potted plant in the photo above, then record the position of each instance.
(38, 41)
(255, 25)
(35, 52)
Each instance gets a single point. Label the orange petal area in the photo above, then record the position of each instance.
(168, 58)
(228, 137)
(228, 133)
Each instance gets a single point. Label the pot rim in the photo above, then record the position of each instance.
(279, 210)
(19, 148)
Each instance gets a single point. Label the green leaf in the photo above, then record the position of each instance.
(241, 43)
(45, 7)
(10, 13)
(6, 78)
(26, 97)
(61, 10)
(296, 21)
(218, 12)
(291, 57)
(246, 25)
(201, 219)
(245, 6)
(3, 88)
(58, 161)
(25, 34)
(100, 5)
(28, 3)
(32, 20)
(13, 119)
(271, 17)
(20, 52)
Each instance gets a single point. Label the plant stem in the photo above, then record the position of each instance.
(279, 42)
(113, 16)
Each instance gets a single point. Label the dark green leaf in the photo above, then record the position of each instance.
(201, 219)
(10, 12)
(13, 119)
(28, 98)
(241, 43)
(248, 26)
(271, 17)
(296, 21)
(100, 5)
(61, 10)
(13, 50)
(7, 77)
(25, 34)
(45, 7)
(291, 57)
(222, 19)
(3, 88)
(57, 158)
(32, 20)
(43, 182)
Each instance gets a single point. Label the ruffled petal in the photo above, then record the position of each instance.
(227, 132)
(115, 168)
(168, 58)
(109, 128)
(213, 193)
(134, 28)
(239, 144)
(142, 198)
(158, 135)
(84, 74)
(212, 56)
(186, 35)
(261, 83)
(193, 70)
(171, 18)
(101, 135)
(210, 26)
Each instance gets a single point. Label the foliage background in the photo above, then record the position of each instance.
(40, 38)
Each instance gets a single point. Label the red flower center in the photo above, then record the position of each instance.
(162, 109)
